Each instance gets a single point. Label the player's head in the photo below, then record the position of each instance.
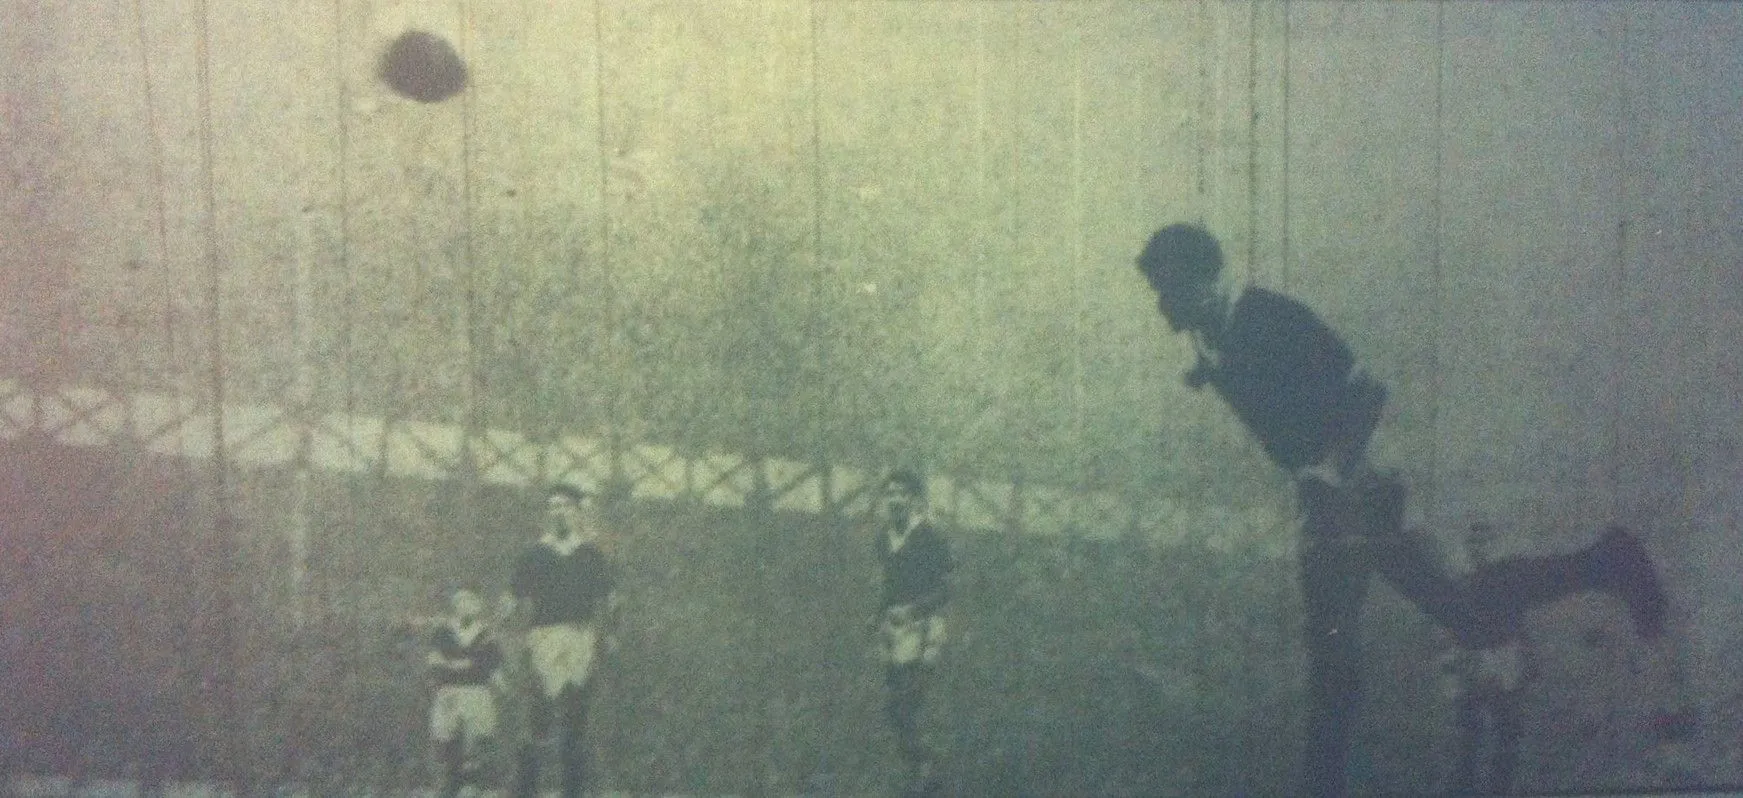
(1183, 263)
(466, 604)
(570, 511)
(904, 494)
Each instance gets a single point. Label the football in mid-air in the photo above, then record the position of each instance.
(422, 66)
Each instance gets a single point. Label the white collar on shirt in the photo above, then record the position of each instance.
(897, 540)
(564, 546)
(464, 635)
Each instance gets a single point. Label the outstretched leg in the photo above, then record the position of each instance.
(1616, 564)
(1371, 510)
(1488, 602)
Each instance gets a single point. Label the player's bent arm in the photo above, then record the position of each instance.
(437, 660)
(515, 612)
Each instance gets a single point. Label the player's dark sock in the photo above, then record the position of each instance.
(479, 770)
(453, 766)
(574, 702)
(526, 772)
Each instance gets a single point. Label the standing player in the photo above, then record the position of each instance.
(1487, 680)
(563, 591)
(463, 663)
(916, 564)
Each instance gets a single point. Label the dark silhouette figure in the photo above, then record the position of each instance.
(1296, 387)
(916, 564)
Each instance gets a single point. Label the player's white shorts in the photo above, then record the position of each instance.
(908, 640)
(462, 709)
(562, 655)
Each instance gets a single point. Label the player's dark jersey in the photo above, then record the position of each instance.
(481, 653)
(918, 572)
(563, 588)
(1292, 381)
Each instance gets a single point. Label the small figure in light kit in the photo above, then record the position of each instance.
(463, 663)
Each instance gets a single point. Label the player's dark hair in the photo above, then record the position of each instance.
(908, 480)
(566, 491)
(1179, 256)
